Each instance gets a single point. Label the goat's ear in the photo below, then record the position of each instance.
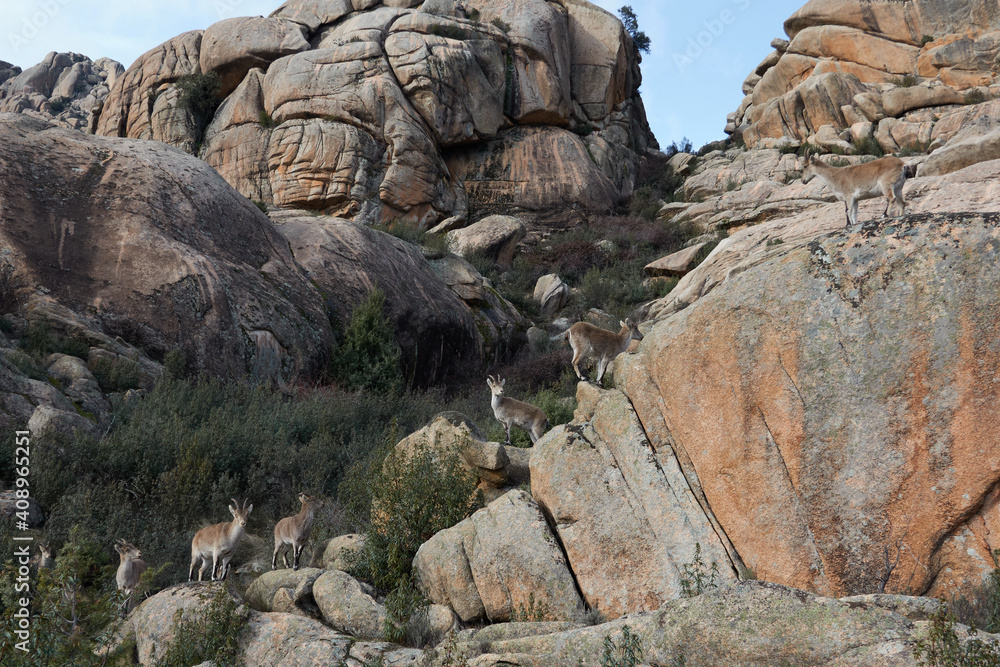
(232, 510)
(489, 380)
(250, 509)
(502, 383)
(628, 322)
(624, 324)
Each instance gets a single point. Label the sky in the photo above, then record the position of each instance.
(700, 51)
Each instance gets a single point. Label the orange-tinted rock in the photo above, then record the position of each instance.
(233, 47)
(845, 411)
(856, 46)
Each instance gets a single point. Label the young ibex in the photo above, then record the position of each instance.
(883, 177)
(589, 340)
(295, 530)
(510, 412)
(219, 542)
(44, 558)
(130, 569)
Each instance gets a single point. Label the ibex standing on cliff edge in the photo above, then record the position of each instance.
(295, 530)
(589, 340)
(511, 412)
(219, 542)
(883, 177)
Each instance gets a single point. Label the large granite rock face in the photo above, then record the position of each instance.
(141, 243)
(753, 623)
(501, 561)
(439, 333)
(624, 512)
(875, 50)
(66, 88)
(836, 398)
(353, 108)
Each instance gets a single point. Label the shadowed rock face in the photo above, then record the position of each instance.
(349, 108)
(148, 244)
(839, 398)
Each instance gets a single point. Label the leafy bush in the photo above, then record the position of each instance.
(975, 96)
(942, 647)
(118, 374)
(501, 24)
(213, 634)
(41, 342)
(869, 146)
(907, 81)
(628, 653)
(697, 577)
(368, 357)
(980, 606)
(200, 94)
(58, 104)
(404, 501)
(264, 118)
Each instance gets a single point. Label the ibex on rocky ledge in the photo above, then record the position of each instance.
(219, 542)
(589, 340)
(883, 177)
(295, 530)
(511, 412)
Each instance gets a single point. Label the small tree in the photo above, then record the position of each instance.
(632, 26)
(368, 357)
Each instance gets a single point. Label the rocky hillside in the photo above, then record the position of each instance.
(798, 456)
(354, 109)
(66, 88)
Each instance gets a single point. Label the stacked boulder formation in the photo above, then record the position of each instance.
(405, 111)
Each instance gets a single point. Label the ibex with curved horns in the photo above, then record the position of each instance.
(219, 542)
(511, 412)
(130, 569)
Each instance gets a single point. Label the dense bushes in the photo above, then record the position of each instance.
(368, 357)
(176, 457)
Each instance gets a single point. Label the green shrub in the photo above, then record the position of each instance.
(472, 14)
(869, 146)
(980, 605)
(533, 612)
(942, 647)
(907, 81)
(697, 577)
(41, 342)
(118, 374)
(213, 634)
(975, 96)
(58, 104)
(200, 94)
(368, 357)
(264, 118)
(404, 501)
(631, 23)
(925, 40)
(404, 607)
(501, 24)
(627, 653)
(450, 31)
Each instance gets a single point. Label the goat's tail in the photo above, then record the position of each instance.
(910, 171)
(560, 338)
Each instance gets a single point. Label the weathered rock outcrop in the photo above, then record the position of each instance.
(501, 561)
(829, 408)
(66, 88)
(440, 330)
(139, 241)
(623, 510)
(270, 639)
(353, 109)
(752, 623)
(852, 61)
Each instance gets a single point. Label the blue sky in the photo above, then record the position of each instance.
(701, 51)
